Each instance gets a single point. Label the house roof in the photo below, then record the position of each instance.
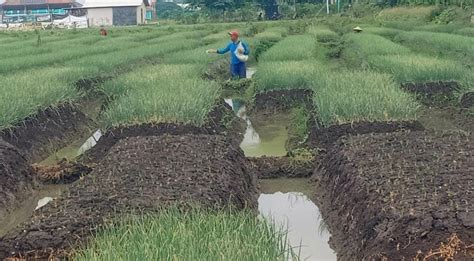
(112, 3)
(36, 2)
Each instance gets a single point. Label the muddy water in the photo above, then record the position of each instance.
(41, 197)
(287, 203)
(263, 135)
(74, 149)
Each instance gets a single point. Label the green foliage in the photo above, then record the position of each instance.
(358, 46)
(298, 47)
(162, 93)
(298, 127)
(469, 31)
(362, 96)
(288, 75)
(445, 17)
(418, 68)
(323, 34)
(418, 13)
(24, 93)
(194, 234)
(383, 31)
(261, 48)
(449, 45)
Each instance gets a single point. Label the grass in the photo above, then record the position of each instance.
(23, 94)
(162, 93)
(418, 68)
(287, 75)
(197, 55)
(461, 47)
(360, 46)
(420, 13)
(323, 34)
(383, 31)
(469, 31)
(362, 96)
(298, 47)
(273, 34)
(195, 234)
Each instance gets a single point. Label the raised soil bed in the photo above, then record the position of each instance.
(398, 195)
(40, 135)
(139, 174)
(433, 93)
(324, 138)
(17, 180)
(279, 167)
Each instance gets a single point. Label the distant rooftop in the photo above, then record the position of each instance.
(112, 3)
(36, 2)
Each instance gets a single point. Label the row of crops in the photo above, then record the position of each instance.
(48, 70)
(367, 86)
(378, 61)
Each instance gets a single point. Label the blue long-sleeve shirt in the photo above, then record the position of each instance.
(232, 47)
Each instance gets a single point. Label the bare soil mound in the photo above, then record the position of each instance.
(398, 195)
(433, 93)
(284, 99)
(221, 120)
(16, 177)
(279, 167)
(138, 174)
(48, 130)
(467, 100)
(323, 138)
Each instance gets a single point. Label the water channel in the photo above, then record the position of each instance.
(285, 202)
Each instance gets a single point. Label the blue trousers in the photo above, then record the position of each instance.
(238, 71)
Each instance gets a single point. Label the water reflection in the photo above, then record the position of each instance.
(271, 137)
(297, 213)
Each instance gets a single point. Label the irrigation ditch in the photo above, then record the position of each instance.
(361, 187)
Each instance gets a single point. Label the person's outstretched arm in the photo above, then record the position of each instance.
(224, 50)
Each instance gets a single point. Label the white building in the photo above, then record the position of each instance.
(115, 12)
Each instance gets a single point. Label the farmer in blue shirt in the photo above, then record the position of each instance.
(238, 55)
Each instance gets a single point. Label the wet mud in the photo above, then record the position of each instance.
(397, 195)
(279, 167)
(447, 119)
(324, 138)
(278, 100)
(17, 180)
(433, 93)
(40, 135)
(139, 174)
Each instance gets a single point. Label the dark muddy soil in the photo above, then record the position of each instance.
(278, 167)
(38, 136)
(323, 138)
(433, 93)
(139, 174)
(467, 100)
(17, 180)
(447, 119)
(221, 120)
(395, 194)
(284, 99)
(64, 172)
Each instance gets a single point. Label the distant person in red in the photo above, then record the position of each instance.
(103, 32)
